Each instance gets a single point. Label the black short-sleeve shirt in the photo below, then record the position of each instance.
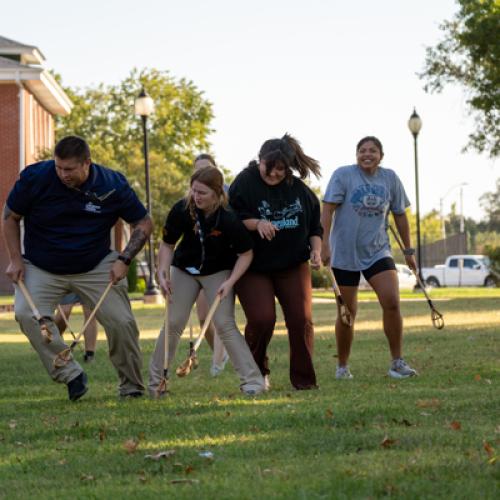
(224, 237)
(292, 208)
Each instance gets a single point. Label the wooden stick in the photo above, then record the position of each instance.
(44, 330)
(345, 314)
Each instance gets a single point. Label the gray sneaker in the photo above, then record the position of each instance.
(216, 370)
(400, 369)
(343, 373)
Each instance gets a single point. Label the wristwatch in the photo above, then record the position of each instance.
(409, 251)
(124, 259)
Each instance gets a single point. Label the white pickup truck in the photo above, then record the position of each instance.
(460, 270)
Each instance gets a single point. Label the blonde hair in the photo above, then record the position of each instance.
(212, 178)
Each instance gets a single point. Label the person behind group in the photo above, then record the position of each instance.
(283, 215)
(219, 357)
(361, 197)
(69, 205)
(215, 250)
(90, 334)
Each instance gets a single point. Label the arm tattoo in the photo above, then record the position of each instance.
(138, 239)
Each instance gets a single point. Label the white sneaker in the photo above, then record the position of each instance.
(400, 369)
(343, 372)
(216, 370)
(267, 383)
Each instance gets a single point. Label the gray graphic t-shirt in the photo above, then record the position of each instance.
(359, 234)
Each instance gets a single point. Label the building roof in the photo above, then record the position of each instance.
(39, 82)
(28, 54)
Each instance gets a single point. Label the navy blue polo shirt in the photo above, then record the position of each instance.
(67, 231)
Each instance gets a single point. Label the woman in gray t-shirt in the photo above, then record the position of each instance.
(361, 197)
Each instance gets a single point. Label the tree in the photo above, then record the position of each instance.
(178, 129)
(490, 202)
(469, 55)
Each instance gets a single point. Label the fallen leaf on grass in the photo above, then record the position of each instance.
(189, 469)
(488, 449)
(477, 377)
(428, 403)
(160, 455)
(102, 435)
(456, 425)
(87, 477)
(329, 413)
(62, 462)
(130, 445)
(184, 481)
(12, 424)
(388, 443)
(228, 414)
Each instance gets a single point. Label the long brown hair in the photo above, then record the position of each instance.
(211, 177)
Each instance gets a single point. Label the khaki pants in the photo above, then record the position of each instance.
(114, 314)
(185, 290)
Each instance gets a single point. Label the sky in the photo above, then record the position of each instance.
(329, 72)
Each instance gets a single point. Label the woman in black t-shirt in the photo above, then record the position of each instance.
(215, 250)
(283, 215)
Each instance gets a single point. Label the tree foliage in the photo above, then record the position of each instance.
(178, 129)
(469, 54)
(490, 202)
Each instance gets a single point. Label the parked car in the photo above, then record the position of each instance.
(406, 279)
(460, 270)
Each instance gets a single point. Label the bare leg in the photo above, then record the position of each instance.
(386, 287)
(90, 334)
(343, 333)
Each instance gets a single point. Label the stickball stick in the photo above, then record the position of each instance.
(44, 329)
(186, 367)
(436, 317)
(345, 314)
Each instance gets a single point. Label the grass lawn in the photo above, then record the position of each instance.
(434, 436)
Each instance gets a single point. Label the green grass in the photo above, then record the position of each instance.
(284, 444)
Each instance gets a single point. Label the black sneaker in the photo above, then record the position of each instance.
(133, 394)
(77, 387)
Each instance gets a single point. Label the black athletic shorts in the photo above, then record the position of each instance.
(351, 278)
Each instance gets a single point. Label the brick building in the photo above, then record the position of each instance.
(29, 99)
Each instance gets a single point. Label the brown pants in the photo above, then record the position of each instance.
(292, 288)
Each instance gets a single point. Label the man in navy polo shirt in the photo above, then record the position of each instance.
(69, 206)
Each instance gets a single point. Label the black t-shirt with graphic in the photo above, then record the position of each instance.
(209, 248)
(291, 206)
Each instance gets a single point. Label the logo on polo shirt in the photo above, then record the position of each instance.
(90, 207)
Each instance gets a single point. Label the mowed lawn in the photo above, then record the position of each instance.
(434, 436)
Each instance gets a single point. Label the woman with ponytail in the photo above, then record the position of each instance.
(215, 250)
(283, 216)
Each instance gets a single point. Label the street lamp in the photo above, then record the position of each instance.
(144, 106)
(415, 124)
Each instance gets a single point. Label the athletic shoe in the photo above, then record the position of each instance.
(216, 370)
(78, 387)
(132, 395)
(267, 383)
(89, 357)
(343, 373)
(400, 369)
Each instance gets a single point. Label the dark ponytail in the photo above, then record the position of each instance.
(288, 151)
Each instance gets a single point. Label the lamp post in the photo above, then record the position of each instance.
(144, 106)
(415, 124)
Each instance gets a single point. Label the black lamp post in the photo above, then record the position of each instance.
(415, 124)
(144, 106)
